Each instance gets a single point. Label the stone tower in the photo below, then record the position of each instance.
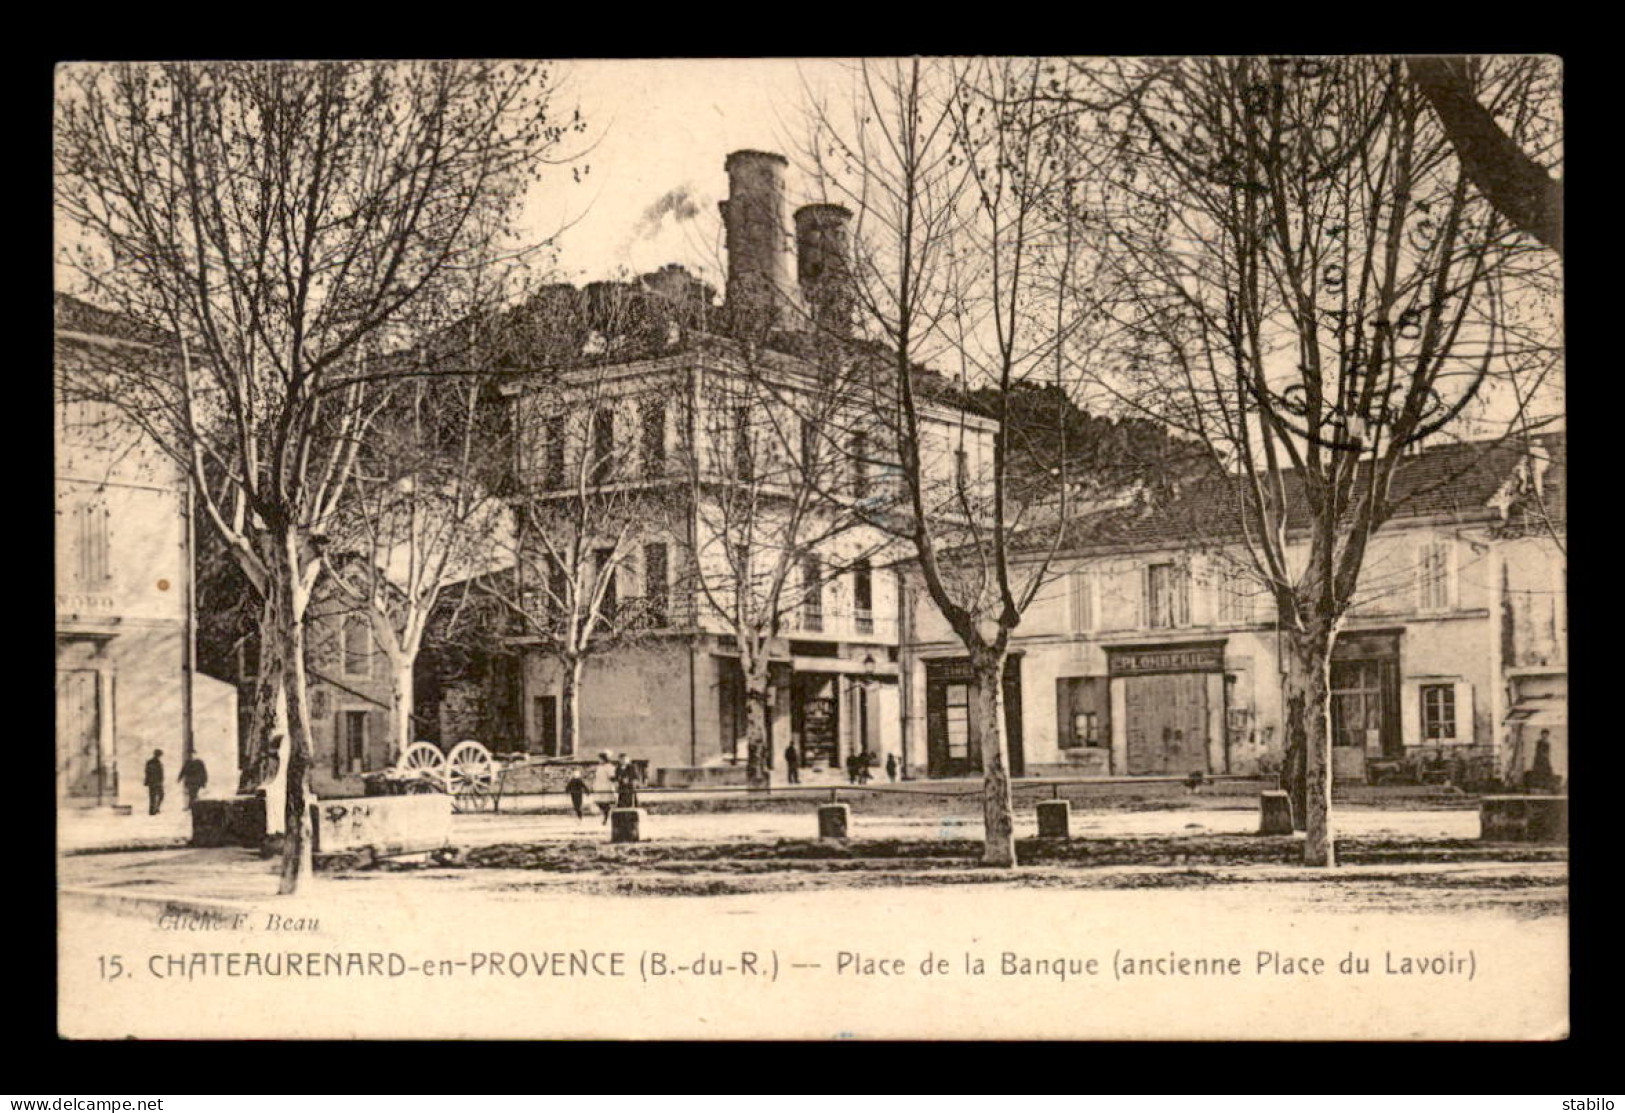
(763, 294)
(823, 258)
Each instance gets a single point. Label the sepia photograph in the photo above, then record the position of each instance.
(936, 548)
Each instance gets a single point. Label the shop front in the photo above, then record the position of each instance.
(953, 735)
(1168, 703)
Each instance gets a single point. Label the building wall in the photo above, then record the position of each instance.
(122, 569)
(634, 699)
(1450, 634)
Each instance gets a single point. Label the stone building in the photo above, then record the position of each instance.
(126, 678)
(677, 426)
(1153, 651)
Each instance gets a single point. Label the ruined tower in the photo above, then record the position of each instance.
(762, 295)
(823, 256)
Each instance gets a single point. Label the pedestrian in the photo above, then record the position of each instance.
(577, 788)
(194, 775)
(1542, 777)
(792, 764)
(891, 768)
(155, 782)
(626, 784)
(603, 784)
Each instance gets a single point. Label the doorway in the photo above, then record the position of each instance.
(1167, 723)
(79, 731)
(545, 713)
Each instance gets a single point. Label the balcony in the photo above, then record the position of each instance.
(844, 624)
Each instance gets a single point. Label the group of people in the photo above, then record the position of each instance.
(614, 785)
(857, 766)
(194, 775)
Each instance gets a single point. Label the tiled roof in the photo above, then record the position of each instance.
(75, 315)
(1444, 480)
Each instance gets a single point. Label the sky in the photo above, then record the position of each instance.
(660, 129)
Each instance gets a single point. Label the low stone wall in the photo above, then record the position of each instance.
(386, 824)
(1524, 819)
(531, 777)
(237, 821)
(701, 776)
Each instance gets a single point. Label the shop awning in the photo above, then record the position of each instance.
(1539, 712)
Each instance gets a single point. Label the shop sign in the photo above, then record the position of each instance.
(1208, 657)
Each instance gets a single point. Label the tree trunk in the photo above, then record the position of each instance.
(266, 759)
(998, 806)
(402, 698)
(290, 635)
(757, 693)
(570, 720)
(1306, 689)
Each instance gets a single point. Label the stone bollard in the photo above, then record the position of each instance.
(1054, 819)
(624, 824)
(832, 820)
(1275, 813)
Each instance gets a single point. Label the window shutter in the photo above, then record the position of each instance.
(1410, 713)
(1464, 713)
(339, 742)
(1083, 610)
(1450, 553)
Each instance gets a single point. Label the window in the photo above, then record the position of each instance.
(1167, 601)
(1235, 597)
(956, 701)
(350, 755)
(863, 597)
(1085, 728)
(860, 465)
(553, 453)
(1438, 712)
(809, 446)
(558, 587)
(603, 560)
(357, 645)
(92, 530)
(1357, 704)
(744, 463)
(654, 440)
(1082, 588)
(962, 469)
(1434, 573)
(656, 592)
(812, 594)
(603, 446)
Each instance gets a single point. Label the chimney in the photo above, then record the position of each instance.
(824, 266)
(762, 294)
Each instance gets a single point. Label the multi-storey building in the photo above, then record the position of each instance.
(709, 450)
(1152, 649)
(126, 684)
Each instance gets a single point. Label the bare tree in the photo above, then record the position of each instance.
(1514, 177)
(1304, 279)
(582, 512)
(285, 226)
(774, 509)
(967, 255)
(423, 511)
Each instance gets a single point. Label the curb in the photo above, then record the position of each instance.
(151, 904)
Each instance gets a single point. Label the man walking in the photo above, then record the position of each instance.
(792, 764)
(155, 782)
(194, 775)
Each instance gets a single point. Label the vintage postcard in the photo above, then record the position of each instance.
(936, 548)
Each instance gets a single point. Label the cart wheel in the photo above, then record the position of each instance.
(425, 761)
(471, 778)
